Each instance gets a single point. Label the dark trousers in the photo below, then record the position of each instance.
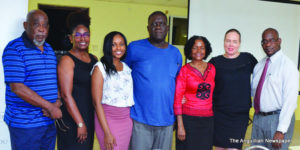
(39, 138)
(199, 133)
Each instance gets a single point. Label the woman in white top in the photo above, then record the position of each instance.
(112, 93)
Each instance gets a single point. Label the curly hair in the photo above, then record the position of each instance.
(77, 18)
(190, 43)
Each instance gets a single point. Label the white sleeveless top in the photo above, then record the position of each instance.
(117, 88)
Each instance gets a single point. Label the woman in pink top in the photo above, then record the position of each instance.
(195, 82)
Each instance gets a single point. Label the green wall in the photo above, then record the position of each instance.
(130, 19)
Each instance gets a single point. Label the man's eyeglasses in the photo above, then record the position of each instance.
(79, 35)
(263, 42)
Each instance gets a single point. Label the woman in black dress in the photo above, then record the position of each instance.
(75, 86)
(232, 95)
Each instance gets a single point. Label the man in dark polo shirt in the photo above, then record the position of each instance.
(31, 86)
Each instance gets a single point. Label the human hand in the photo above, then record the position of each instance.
(45, 113)
(58, 103)
(278, 136)
(53, 111)
(81, 134)
(181, 133)
(109, 141)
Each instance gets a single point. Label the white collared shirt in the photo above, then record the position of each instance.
(280, 88)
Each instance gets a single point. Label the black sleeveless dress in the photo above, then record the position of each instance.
(67, 140)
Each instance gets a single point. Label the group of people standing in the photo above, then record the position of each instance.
(212, 100)
(131, 96)
(216, 95)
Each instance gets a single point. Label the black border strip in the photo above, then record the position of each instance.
(299, 61)
(188, 24)
(299, 56)
(283, 1)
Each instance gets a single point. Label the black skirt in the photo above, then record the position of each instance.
(199, 133)
(230, 128)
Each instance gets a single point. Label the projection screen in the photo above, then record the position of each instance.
(212, 18)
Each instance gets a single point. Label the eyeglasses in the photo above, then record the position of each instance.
(263, 42)
(79, 35)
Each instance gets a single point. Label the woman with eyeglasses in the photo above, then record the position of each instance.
(232, 94)
(75, 86)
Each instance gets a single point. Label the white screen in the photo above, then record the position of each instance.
(212, 18)
(12, 16)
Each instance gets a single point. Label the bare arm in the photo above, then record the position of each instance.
(97, 89)
(57, 103)
(31, 97)
(181, 135)
(65, 71)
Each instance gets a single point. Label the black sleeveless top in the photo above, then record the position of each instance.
(83, 98)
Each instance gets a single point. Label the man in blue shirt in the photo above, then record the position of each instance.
(154, 65)
(31, 86)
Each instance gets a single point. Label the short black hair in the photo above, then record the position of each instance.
(157, 13)
(271, 29)
(190, 43)
(107, 58)
(77, 18)
(233, 30)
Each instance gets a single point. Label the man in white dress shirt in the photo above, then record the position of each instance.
(273, 122)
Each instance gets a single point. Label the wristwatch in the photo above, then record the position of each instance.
(80, 124)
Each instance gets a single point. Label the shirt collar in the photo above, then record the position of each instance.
(27, 42)
(276, 56)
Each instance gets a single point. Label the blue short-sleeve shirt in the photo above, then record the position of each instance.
(154, 72)
(24, 63)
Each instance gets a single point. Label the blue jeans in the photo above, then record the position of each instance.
(39, 138)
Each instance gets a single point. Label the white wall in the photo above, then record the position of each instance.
(12, 16)
(212, 18)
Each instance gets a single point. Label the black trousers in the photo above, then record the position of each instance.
(199, 133)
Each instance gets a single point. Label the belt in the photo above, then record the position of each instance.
(268, 113)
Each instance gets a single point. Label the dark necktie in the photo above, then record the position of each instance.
(259, 87)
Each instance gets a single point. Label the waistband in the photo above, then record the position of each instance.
(268, 113)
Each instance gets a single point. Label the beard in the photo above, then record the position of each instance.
(38, 42)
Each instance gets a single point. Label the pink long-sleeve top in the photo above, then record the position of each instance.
(197, 89)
